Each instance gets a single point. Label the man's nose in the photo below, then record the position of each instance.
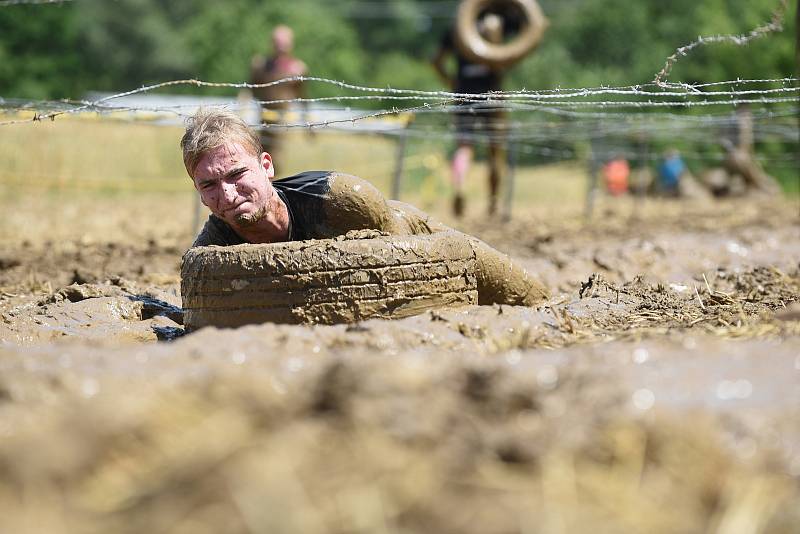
(229, 192)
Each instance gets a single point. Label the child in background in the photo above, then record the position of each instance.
(616, 174)
(669, 173)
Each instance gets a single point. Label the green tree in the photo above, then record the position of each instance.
(39, 56)
(49, 51)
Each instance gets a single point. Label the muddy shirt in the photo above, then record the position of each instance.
(321, 204)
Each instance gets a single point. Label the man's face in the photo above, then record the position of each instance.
(282, 40)
(234, 184)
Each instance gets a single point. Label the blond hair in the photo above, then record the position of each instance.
(211, 128)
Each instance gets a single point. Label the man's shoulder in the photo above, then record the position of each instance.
(331, 203)
(324, 185)
(313, 183)
(305, 175)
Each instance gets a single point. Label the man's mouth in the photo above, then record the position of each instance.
(234, 207)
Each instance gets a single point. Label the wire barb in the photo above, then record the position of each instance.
(775, 25)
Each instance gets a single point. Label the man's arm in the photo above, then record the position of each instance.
(500, 279)
(355, 204)
(439, 63)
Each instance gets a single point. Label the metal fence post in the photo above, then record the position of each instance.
(512, 166)
(399, 163)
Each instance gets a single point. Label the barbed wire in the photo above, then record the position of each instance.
(6, 3)
(773, 26)
(578, 107)
(570, 126)
(482, 109)
(536, 129)
(471, 106)
(689, 96)
(442, 96)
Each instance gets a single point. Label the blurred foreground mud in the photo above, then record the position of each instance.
(657, 391)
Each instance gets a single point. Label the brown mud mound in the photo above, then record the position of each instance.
(28, 268)
(115, 311)
(344, 280)
(401, 426)
(668, 242)
(728, 304)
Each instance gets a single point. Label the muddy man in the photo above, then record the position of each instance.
(233, 175)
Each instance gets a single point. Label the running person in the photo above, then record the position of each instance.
(476, 120)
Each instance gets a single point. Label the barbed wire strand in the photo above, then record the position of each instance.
(7, 3)
(479, 101)
(775, 25)
(570, 124)
(444, 96)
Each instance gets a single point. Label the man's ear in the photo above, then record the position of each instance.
(266, 162)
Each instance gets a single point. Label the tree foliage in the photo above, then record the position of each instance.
(61, 51)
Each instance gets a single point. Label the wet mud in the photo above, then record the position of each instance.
(354, 203)
(117, 311)
(656, 390)
(361, 275)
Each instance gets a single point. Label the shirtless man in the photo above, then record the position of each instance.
(282, 64)
(233, 175)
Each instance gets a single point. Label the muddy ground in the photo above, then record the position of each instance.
(657, 391)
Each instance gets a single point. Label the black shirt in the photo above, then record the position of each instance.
(472, 78)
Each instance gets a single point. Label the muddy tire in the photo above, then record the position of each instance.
(326, 281)
(499, 56)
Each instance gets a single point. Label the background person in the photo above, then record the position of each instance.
(737, 140)
(670, 171)
(616, 173)
(475, 120)
(282, 64)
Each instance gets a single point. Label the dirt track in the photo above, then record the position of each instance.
(644, 397)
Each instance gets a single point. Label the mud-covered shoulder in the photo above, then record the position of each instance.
(408, 219)
(355, 204)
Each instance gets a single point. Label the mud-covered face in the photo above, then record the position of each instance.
(235, 184)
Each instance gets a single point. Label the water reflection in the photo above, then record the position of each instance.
(643, 399)
(734, 389)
